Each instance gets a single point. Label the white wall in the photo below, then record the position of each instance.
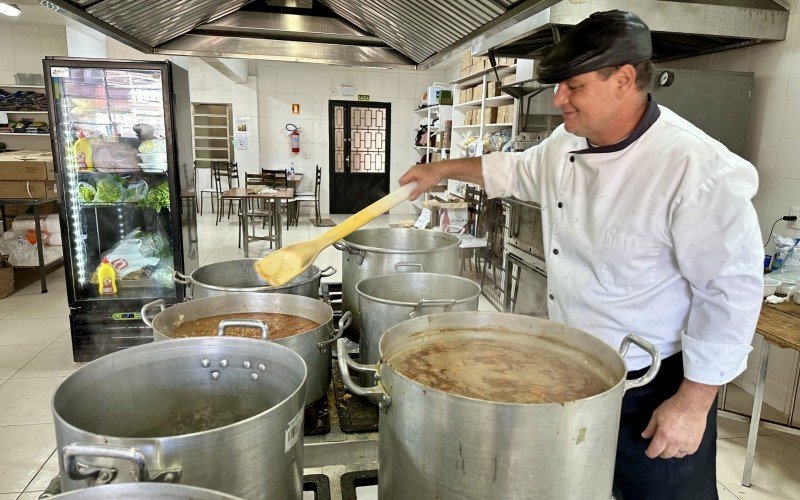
(24, 45)
(312, 86)
(85, 42)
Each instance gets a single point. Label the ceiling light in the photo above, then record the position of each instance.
(10, 9)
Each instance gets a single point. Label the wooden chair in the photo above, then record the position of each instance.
(474, 241)
(210, 191)
(281, 181)
(309, 197)
(259, 208)
(233, 182)
(220, 174)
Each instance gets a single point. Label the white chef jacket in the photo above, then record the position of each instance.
(654, 236)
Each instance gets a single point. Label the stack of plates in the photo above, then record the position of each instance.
(153, 162)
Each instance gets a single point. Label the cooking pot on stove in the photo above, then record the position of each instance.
(239, 276)
(314, 346)
(222, 413)
(438, 444)
(137, 491)
(370, 252)
(384, 301)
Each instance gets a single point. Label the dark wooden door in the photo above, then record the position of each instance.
(359, 154)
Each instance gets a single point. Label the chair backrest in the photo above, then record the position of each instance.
(279, 178)
(219, 172)
(317, 182)
(476, 198)
(255, 180)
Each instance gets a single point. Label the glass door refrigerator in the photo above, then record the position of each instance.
(122, 149)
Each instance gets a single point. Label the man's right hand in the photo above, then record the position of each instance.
(427, 176)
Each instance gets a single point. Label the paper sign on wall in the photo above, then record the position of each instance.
(241, 141)
(59, 72)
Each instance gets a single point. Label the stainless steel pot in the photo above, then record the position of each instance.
(133, 416)
(433, 444)
(313, 346)
(239, 276)
(371, 252)
(138, 491)
(384, 301)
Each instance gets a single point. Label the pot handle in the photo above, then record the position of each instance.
(343, 247)
(344, 323)
(327, 269)
(247, 323)
(375, 394)
(182, 279)
(398, 265)
(649, 349)
(447, 303)
(104, 475)
(147, 307)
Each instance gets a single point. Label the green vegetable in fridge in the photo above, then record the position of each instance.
(108, 191)
(86, 192)
(157, 198)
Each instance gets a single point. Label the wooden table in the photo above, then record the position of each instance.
(274, 198)
(779, 325)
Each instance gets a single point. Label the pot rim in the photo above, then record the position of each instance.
(380, 300)
(327, 325)
(370, 249)
(384, 364)
(174, 344)
(194, 281)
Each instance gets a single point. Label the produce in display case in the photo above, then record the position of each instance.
(116, 153)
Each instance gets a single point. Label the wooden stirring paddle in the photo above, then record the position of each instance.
(280, 266)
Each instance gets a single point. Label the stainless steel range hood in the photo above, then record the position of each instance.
(411, 33)
(681, 28)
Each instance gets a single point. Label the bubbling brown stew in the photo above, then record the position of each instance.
(501, 370)
(280, 326)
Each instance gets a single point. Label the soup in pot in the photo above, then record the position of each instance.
(280, 326)
(507, 368)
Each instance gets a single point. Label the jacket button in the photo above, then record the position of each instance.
(552, 297)
(572, 158)
(560, 205)
(555, 251)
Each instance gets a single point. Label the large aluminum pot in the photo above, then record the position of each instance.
(434, 444)
(134, 415)
(314, 346)
(371, 252)
(384, 301)
(138, 491)
(239, 276)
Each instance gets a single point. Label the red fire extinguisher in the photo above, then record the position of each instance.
(295, 137)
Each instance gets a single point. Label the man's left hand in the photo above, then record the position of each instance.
(678, 425)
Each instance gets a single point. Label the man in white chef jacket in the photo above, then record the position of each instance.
(649, 229)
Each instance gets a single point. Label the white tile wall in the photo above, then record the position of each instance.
(84, 42)
(24, 46)
(311, 86)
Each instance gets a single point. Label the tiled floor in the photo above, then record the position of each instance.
(36, 356)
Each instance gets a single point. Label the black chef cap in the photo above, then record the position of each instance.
(602, 40)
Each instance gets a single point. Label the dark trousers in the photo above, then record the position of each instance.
(637, 477)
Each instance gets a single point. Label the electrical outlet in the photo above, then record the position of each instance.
(794, 224)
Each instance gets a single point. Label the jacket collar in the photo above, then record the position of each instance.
(650, 116)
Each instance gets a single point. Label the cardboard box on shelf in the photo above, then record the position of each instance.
(27, 189)
(464, 72)
(26, 165)
(477, 93)
(505, 114)
(45, 209)
(490, 115)
(466, 60)
(492, 89)
(509, 79)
